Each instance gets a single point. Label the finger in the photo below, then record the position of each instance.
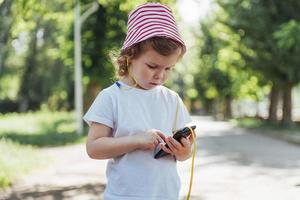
(155, 138)
(191, 138)
(173, 144)
(176, 143)
(161, 135)
(170, 145)
(185, 142)
(158, 140)
(166, 149)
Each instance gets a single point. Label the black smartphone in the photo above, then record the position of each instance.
(185, 132)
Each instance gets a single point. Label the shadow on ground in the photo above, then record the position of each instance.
(87, 191)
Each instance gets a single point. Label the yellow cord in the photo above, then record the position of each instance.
(194, 151)
(193, 163)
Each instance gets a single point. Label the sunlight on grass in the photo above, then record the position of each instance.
(35, 123)
(248, 122)
(255, 123)
(40, 128)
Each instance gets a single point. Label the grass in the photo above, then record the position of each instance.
(289, 132)
(40, 129)
(252, 122)
(22, 135)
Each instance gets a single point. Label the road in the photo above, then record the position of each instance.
(231, 164)
(234, 164)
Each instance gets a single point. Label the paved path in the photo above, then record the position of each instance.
(231, 164)
(72, 176)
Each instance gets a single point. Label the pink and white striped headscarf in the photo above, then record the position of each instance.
(151, 20)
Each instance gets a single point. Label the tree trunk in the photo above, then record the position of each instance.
(257, 115)
(274, 99)
(92, 90)
(5, 26)
(228, 110)
(208, 107)
(28, 74)
(287, 104)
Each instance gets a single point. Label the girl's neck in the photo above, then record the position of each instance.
(130, 82)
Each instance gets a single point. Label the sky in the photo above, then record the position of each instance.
(192, 11)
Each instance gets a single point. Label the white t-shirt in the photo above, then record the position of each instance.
(138, 175)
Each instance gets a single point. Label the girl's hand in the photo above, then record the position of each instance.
(150, 139)
(181, 151)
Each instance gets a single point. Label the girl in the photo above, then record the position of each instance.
(137, 114)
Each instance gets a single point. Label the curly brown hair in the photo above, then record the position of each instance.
(162, 45)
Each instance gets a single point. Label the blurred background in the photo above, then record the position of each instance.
(241, 68)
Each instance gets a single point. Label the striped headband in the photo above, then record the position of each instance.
(151, 20)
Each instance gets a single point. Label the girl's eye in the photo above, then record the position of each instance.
(151, 66)
(169, 68)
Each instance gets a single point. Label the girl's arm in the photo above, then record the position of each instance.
(100, 144)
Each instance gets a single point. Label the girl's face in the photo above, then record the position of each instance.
(151, 69)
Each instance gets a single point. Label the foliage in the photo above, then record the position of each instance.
(247, 47)
(222, 73)
(264, 26)
(39, 50)
(264, 126)
(37, 42)
(40, 129)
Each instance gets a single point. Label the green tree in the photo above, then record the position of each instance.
(44, 23)
(260, 25)
(222, 70)
(39, 52)
(41, 65)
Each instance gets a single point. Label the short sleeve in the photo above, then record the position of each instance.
(183, 116)
(101, 110)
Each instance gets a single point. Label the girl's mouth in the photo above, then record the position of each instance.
(155, 84)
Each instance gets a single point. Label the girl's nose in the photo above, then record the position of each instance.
(159, 75)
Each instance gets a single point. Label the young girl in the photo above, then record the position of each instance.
(137, 114)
